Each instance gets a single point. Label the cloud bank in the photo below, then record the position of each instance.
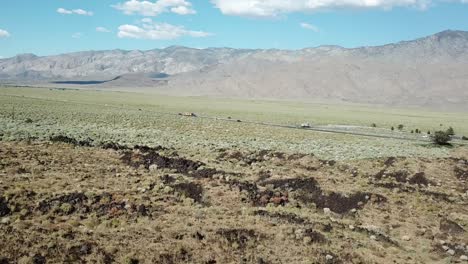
(157, 31)
(272, 8)
(102, 30)
(4, 33)
(74, 11)
(147, 8)
(309, 27)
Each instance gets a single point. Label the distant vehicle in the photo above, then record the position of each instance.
(305, 125)
(188, 114)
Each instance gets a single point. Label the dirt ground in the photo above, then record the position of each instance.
(71, 203)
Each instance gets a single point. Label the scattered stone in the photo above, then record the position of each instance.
(168, 190)
(351, 227)
(326, 211)
(307, 240)
(354, 210)
(451, 252)
(5, 220)
(153, 167)
(445, 248)
(328, 257)
(464, 257)
(372, 237)
(406, 238)
(421, 232)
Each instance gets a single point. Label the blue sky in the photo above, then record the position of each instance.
(48, 27)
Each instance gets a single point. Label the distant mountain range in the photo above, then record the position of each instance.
(430, 71)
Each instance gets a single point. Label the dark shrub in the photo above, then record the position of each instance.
(441, 138)
(450, 131)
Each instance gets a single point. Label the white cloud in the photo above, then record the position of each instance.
(4, 33)
(157, 31)
(102, 29)
(272, 8)
(309, 27)
(77, 35)
(182, 10)
(147, 8)
(74, 11)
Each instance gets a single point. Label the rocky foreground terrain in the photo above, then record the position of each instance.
(64, 202)
(428, 72)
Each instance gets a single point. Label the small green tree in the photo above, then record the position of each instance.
(374, 125)
(400, 127)
(412, 131)
(417, 131)
(392, 128)
(441, 138)
(428, 132)
(450, 131)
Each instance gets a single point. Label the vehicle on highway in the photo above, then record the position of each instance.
(188, 114)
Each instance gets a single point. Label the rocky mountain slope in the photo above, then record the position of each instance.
(430, 71)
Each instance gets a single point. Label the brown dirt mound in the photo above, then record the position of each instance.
(308, 191)
(250, 157)
(420, 179)
(102, 204)
(74, 200)
(180, 256)
(399, 176)
(190, 190)
(390, 161)
(461, 174)
(149, 158)
(450, 227)
(286, 217)
(316, 237)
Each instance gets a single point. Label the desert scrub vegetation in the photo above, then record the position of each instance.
(441, 137)
(76, 204)
(96, 120)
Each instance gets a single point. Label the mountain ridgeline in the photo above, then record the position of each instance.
(429, 72)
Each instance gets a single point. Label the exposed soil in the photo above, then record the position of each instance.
(77, 203)
(308, 191)
(450, 227)
(190, 190)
